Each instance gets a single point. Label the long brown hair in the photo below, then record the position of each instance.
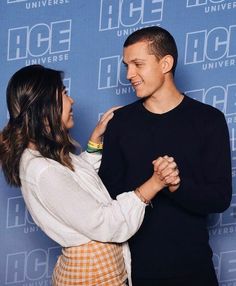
(34, 101)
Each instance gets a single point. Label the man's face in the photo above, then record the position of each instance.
(143, 70)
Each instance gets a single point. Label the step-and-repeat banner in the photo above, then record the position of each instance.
(84, 38)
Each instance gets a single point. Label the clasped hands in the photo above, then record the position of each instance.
(166, 172)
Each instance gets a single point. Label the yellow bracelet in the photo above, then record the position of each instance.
(142, 198)
(95, 145)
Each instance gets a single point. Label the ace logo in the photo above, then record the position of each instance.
(39, 40)
(29, 266)
(194, 3)
(210, 45)
(116, 14)
(17, 214)
(111, 72)
(221, 97)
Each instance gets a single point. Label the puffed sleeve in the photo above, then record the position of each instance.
(66, 200)
(93, 159)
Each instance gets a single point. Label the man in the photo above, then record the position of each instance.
(171, 247)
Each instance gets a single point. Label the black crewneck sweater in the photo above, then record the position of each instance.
(173, 239)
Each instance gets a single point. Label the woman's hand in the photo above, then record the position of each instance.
(100, 128)
(165, 174)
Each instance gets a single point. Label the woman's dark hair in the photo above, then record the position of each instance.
(34, 101)
(161, 42)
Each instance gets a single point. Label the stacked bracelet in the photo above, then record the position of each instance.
(142, 198)
(93, 147)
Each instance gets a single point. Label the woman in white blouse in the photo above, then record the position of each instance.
(62, 191)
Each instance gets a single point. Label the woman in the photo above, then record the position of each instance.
(62, 191)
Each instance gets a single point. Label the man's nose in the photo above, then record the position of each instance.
(131, 73)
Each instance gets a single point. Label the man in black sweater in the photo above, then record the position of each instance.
(171, 247)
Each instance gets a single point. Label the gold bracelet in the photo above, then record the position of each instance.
(142, 198)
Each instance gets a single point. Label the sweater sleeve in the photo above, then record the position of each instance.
(113, 165)
(68, 202)
(213, 193)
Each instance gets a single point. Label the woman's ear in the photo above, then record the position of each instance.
(167, 63)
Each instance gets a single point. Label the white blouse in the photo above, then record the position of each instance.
(73, 208)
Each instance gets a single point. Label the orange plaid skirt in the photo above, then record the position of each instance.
(91, 264)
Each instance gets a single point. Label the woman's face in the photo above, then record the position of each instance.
(67, 113)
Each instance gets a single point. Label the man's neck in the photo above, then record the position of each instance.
(163, 103)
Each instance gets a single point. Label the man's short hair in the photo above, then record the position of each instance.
(161, 42)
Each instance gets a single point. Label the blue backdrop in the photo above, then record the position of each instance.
(84, 38)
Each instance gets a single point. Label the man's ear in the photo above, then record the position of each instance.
(167, 63)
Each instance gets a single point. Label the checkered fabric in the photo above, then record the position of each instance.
(91, 264)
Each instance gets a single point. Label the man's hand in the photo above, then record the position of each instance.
(167, 170)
